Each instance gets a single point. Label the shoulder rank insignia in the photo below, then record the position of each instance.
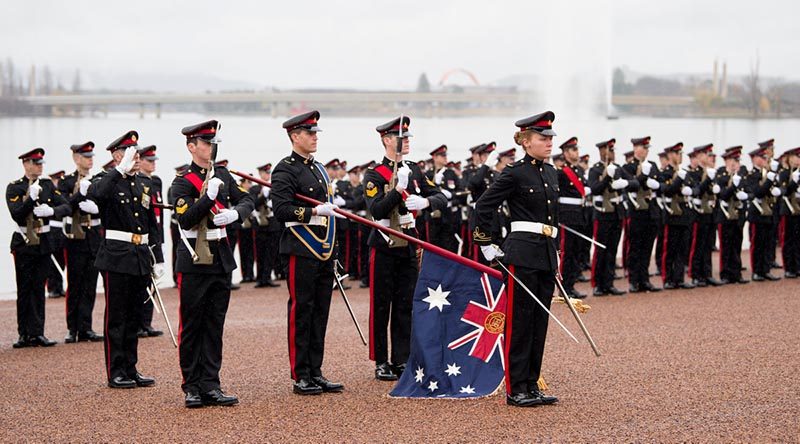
(14, 199)
(181, 206)
(430, 182)
(371, 189)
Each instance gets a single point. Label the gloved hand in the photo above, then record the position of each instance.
(646, 167)
(417, 203)
(338, 201)
(88, 206)
(771, 176)
(254, 213)
(327, 209)
(126, 163)
(611, 170)
(736, 179)
(265, 192)
(796, 175)
(269, 204)
(711, 173)
(34, 191)
(773, 165)
(619, 184)
(588, 191)
(697, 202)
(438, 178)
(686, 191)
(653, 184)
(716, 189)
(447, 194)
(491, 252)
(158, 271)
(682, 173)
(775, 191)
(741, 195)
(84, 186)
(402, 176)
(226, 216)
(43, 210)
(213, 187)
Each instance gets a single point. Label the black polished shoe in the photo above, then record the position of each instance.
(306, 387)
(522, 400)
(757, 278)
(743, 281)
(41, 341)
(143, 381)
(670, 286)
(192, 400)
(775, 265)
(55, 294)
(327, 386)
(687, 285)
(235, 286)
(398, 369)
(384, 372)
(647, 286)
(22, 342)
(247, 280)
(152, 332)
(790, 275)
(770, 277)
(575, 294)
(582, 278)
(724, 281)
(217, 397)
(70, 338)
(142, 333)
(599, 292)
(89, 336)
(713, 282)
(614, 291)
(700, 283)
(122, 382)
(547, 400)
(635, 289)
(363, 284)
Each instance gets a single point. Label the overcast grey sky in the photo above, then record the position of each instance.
(386, 44)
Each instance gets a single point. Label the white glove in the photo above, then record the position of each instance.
(682, 173)
(716, 189)
(226, 216)
(686, 191)
(447, 194)
(126, 164)
(417, 203)
(697, 202)
(736, 179)
(773, 165)
(653, 184)
(269, 204)
(619, 184)
(796, 175)
(588, 191)
(438, 178)
(34, 191)
(771, 176)
(646, 166)
(491, 252)
(338, 201)
(158, 271)
(775, 191)
(711, 173)
(741, 195)
(84, 186)
(327, 209)
(402, 176)
(213, 187)
(611, 169)
(43, 210)
(265, 192)
(254, 213)
(88, 206)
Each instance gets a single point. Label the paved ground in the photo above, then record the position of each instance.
(707, 365)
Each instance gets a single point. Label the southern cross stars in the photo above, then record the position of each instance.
(437, 298)
(419, 375)
(468, 390)
(453, 369)
(433, 386)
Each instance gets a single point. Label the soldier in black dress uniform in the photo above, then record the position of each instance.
(32, 201)
(147, 168)
(174, 231)
(308, 242)
(268, 231)
(393, 201)
(443, 225)
(678, 189)
(704, 226)
(730, 215)
(341, 190)
(125, 257)
(530, 186)
(84, 235)
(55, 280)
(205, 207)
(572, 194)
(789, 176)
(363, 230)
(247, 241)
(644, 214)
(477, 182)
(763, 187)
(358, 235)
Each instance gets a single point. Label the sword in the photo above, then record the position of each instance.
(525, 287)
(460, 242)
(58, 267)
(158, 301)
(567, 299)
(338, 283)
(186, 243)
(584, 237)
(758, 205)
(789, 204)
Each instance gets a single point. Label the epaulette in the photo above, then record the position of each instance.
(17, 181)
(599, 164)
(288, 159)
(180, 173)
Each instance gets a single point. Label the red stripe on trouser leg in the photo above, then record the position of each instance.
(782, 231)
(721, 251)
(509, 314)
(594, 255)
(372, 304)
(665, 244)
(66, 293)
(561, 255)
(752, 239)
(292, 314)
(347, 251)
(180, 320)
(105, 332)
(692, 248)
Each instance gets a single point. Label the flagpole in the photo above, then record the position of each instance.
(422, 244)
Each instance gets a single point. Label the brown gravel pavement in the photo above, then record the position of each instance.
(706, 365)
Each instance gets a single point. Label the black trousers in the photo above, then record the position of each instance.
(760, 243)
(676, 243)
(125, 294)
(391, 292)
(175, 235)
(730, 250)
(267, 243)
(55, 282)
(791, 244)
(310, 284)
(703, 237)
(363, 253)
(204, 302)
(659, 245)
(31, 272)
(642, 235)
(353, 258)
(585, 248)
(571, 245)
(81, 289)
(442, 234)
(526, 327)
(247, 247)
(607, 232)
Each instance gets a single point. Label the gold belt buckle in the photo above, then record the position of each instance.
(547, 230)
(136, 239)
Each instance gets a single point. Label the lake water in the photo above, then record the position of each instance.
(249, 141)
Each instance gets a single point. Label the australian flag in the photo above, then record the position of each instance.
(457, 333)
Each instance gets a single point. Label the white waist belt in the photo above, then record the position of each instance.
(68, 220)
(405, 219)
(315, 220)
(362, 213)
(124, 236)
(56, 223)
(211, 234)
(535, 227)
(570, 200)
(617, 199)
(40, 230)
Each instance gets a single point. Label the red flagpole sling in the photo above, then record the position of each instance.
(422, 244)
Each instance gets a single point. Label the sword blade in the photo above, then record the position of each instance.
(582, 236)
(338, 282)
(574, 312)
